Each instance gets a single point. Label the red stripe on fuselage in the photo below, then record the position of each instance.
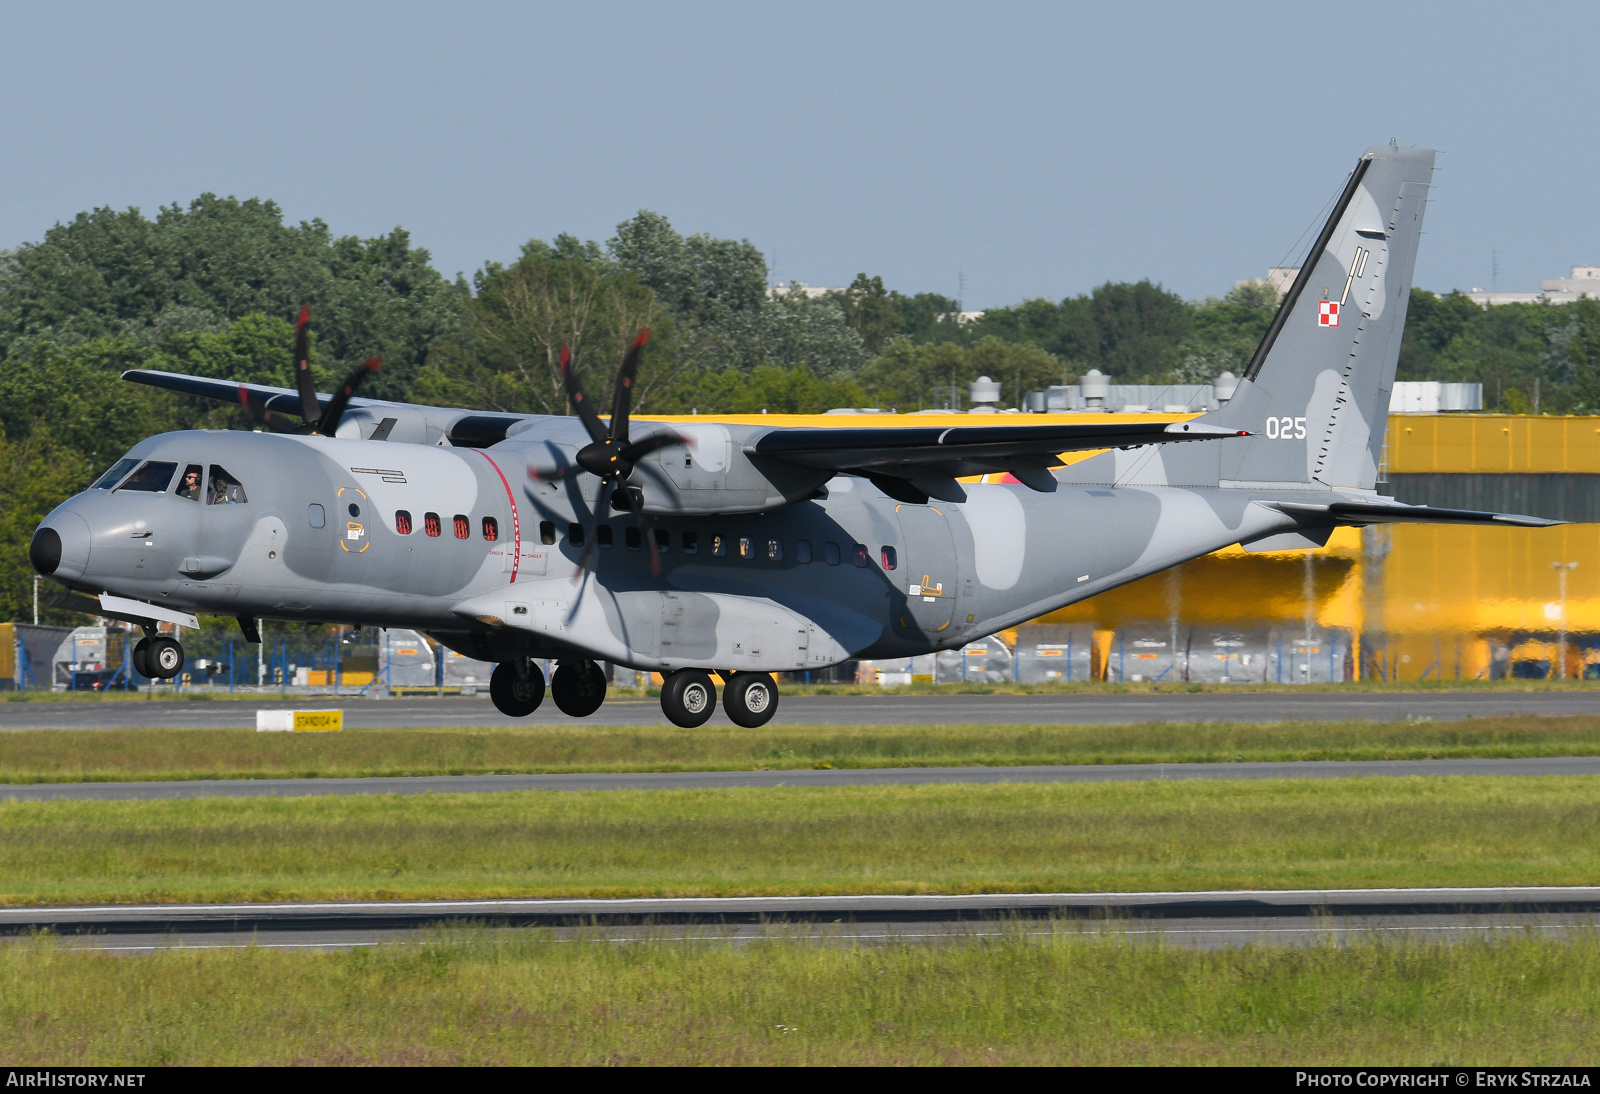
(516, 523)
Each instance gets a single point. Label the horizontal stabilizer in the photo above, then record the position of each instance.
(953, 451)
(1359, 512)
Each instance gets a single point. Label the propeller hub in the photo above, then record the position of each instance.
(604, 458)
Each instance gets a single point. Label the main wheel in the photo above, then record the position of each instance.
(516, 694)
(578, 687)
(164, 657)
(751, 699)
(141, 664)
(688, 697)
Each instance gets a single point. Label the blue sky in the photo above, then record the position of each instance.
(1036, 149)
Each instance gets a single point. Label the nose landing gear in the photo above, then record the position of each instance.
(578, 687)
(517, 687)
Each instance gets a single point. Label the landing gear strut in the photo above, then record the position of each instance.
(688, 698)
(578, 687)
(517, 687)
(750, 698)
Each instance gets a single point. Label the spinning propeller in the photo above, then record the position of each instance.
(609, 455)
(314, 419)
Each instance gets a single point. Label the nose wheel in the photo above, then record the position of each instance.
(517, 687)
(688, 698)
(159, 658)
(751, 699)
(578, 687)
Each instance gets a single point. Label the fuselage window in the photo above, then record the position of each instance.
(774, 550)
(402, 522)
(802, 550)
(747, 548)
(631, 537)
(691, 543)
(114, 476)
(889, 557)
(463, 527)
(602, 535)
(859, 555)
(830, 553)
(224, 489)
(154, 477)
(719, 546)
(663, 540)
(189, 485)
(575, 534)
(547, 532)
(318, 516)
(491, 529)
(430, 524)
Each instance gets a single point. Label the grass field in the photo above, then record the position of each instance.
(1027, 837)
(1059, 999)
(28, 756)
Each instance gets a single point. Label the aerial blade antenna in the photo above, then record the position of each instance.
(329, 423)
(310, 408)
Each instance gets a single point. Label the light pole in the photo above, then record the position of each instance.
(1561, 569)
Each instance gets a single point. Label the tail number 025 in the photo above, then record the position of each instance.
(1286, 428)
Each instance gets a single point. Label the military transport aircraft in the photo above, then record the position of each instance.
(741, 550)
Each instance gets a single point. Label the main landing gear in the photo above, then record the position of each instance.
(517, 687)
(158, 657)
(688, 698)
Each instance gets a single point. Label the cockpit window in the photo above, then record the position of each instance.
(155, 476)
(114, 476)
(223, 489)
(189, 485)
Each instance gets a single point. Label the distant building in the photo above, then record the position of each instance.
(1279, 277)
(1585, 281)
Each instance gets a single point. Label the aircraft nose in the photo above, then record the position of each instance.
(60, 546)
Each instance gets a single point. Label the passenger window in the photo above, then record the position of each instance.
(318, 516)
(663, 540)
(114, 476)
(747, 549)
(189, 486)
(631, 536)
(691, 543)
(719, 546)
(575, 534)
(491, 529)
(463, 526)
(830, 553)
(774, 550)
(402, 522)
(802, 550)
(602, 536)
(430, 524)
(547, 532)
(223, 489)
(889, 557)
(154, 477)
(859, 556)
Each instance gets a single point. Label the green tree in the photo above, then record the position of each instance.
(1583, 351)
(871, 310)
(764, 389)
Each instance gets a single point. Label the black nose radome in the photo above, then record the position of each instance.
(45, 551)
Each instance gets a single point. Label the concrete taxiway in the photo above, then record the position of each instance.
(861, 776)
(1277, 706)
(1199, 919)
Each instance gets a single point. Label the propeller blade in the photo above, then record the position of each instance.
(584, 568)
(329, 423)
(648, 531)
(310, 409)
(622, 398)
(580, 401)
(257, 406)
(551, 474)
(634, 452)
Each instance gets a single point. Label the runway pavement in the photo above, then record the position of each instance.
(860, 776)
(1315, 706)
(1202, 919)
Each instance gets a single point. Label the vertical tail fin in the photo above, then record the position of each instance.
(1317, 390)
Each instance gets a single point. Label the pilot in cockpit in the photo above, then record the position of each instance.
(190, 487)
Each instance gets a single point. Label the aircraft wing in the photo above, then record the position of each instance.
(280, 400)
(1361, 512)
(964, 450)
